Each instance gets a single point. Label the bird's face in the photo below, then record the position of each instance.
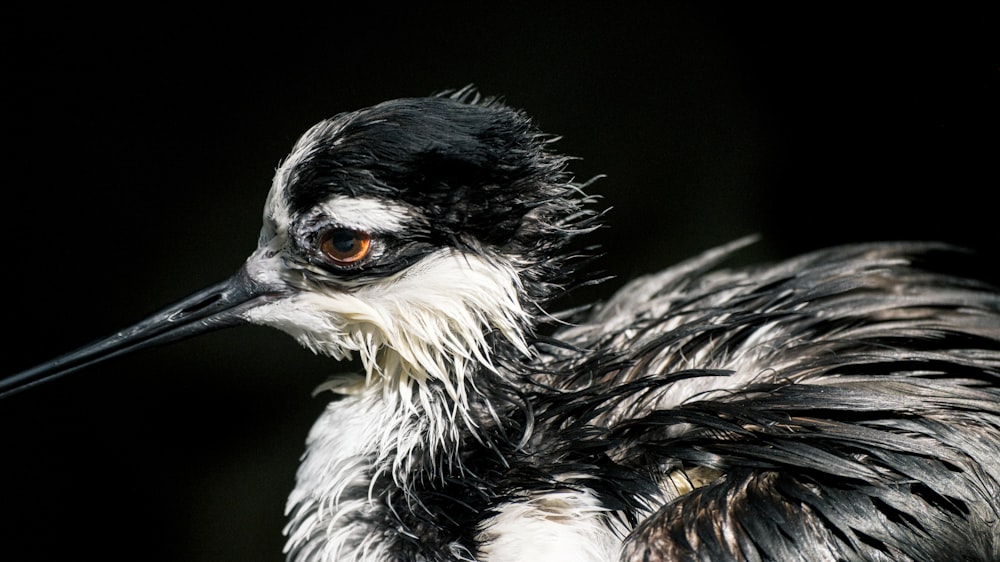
(417, 233)
(363, 273)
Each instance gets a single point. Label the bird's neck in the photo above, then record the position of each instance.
(390, 448)
(442, 354)
(418, 423)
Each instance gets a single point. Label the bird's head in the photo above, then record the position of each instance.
(423, 234)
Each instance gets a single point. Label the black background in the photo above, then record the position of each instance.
(139, 149)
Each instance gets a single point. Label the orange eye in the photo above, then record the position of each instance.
(344, 246)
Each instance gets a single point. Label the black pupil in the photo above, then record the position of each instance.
(344, 241)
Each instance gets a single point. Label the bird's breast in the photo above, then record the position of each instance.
(562, 526)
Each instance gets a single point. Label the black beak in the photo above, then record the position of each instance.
(220, 306)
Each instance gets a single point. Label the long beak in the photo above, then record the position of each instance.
(220, 306)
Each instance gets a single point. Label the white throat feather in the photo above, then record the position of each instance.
(419, 335)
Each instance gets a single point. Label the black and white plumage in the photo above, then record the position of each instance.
(843, 405)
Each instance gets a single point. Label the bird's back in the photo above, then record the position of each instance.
(842, 405)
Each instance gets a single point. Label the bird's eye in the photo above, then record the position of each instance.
(344, 246)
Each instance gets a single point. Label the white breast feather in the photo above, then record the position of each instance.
(565, 526)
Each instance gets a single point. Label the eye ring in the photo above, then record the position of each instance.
(345, 247)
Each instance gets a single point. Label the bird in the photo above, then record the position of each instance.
(843, 404)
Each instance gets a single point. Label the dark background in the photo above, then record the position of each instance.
(139, 150)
